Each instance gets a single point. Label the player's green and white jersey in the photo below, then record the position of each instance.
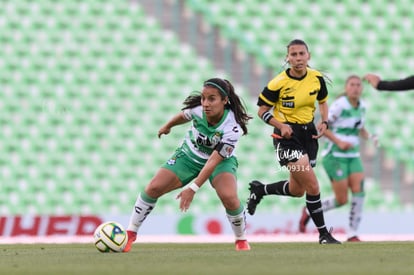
(345, 122)
(202, 138)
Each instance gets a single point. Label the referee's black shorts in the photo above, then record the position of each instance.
(300, 143)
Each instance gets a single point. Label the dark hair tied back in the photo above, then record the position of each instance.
(225, 89)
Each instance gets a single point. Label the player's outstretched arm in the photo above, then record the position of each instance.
(174, 121)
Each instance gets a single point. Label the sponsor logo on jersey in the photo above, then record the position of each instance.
(171, 161)
(288, 104)
(339, 173)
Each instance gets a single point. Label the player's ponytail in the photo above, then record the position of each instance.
(237, 107)
(192, 100)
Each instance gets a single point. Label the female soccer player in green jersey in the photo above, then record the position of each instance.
(341, 156)
(207, 153)
(287, 103)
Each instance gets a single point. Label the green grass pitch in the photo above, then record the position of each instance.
(211, 258)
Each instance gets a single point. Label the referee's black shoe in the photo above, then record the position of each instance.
(326, 238)
(256, 195)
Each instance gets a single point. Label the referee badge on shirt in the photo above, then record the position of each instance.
(288, 104)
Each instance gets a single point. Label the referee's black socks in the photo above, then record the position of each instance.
(314, 205)
(280, 188)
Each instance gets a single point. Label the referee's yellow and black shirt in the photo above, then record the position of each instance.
(293, 99)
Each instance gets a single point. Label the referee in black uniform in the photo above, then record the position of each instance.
(288, 104)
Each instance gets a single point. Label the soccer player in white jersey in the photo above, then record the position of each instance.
(207, 153)
(341, 156)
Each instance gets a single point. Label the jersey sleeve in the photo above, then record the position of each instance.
(229, 140)
(189, 113)
(268, 97)
(233, 135)
(323, 92)
(270, 93)
(335, 110)
(397, 85)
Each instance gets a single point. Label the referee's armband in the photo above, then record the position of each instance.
(267, 116)
(224, 149)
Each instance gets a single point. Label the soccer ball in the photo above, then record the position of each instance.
(110, 237)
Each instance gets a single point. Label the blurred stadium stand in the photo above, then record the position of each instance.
(85, 85)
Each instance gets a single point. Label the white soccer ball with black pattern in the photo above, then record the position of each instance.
(110, 237)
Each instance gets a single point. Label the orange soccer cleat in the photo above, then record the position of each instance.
(242, 245)
(132, 236)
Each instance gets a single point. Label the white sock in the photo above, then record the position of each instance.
(238, 225)
(329, 204)
(355, 213)
(139, 213)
